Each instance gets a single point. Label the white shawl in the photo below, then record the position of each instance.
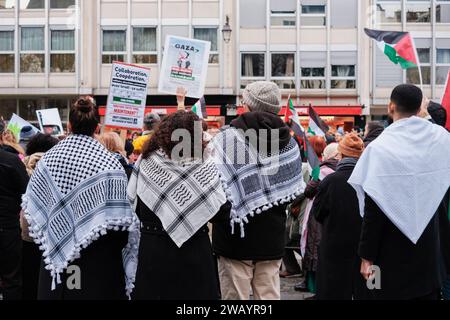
(406, 171)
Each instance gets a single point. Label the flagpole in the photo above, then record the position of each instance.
(418, 62)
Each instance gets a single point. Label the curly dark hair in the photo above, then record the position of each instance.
(41, 143)
(162, 137)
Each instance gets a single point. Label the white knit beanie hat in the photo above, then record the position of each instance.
(263, 96)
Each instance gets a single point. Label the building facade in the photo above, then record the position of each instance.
(315, 50)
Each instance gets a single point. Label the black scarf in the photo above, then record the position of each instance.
(346, 163)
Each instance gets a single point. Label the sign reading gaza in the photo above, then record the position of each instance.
(127, 96)
(185, 64)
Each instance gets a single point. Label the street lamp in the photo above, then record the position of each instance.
(226, 30)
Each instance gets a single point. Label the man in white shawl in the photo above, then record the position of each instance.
(401, 180)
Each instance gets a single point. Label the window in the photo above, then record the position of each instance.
(114, 46)
(61, 4)
(313, 15)
(343, 70)
(424, 53)
(32, 4)
(209, 34)
(344, 14)
(61, 105)
(6, 51)
(257, 18)
(62, 56)
(442, 60)
(7, 4)
(389, 11)
(443, 11)
(282, 13)
(312, 72)
(28, 108)
(8, 107)
(283, 70)
(32, 50)
(418, 11)
(252, 68)
(144, 45)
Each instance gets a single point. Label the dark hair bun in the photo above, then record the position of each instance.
(84, 116)
(84, 105)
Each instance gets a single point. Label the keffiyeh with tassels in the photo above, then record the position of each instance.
(184, 195)
(254, 182)
(76, 194)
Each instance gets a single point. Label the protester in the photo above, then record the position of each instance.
(372, 131)
(437, 113)
(444, 224)
(114, 144)
(401, 180)
(336, 209)
(151, 120)
(311, 230)
(318, 144)
(260, 167)
(78, 211)
(10, 144)
(37, 146)
(175, 197)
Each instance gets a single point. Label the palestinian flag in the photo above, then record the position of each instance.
(397, 46)
(317, 127)
(200, 108)
(291, 118)
(446, 101)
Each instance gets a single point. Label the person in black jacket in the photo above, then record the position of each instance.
(373, 130)
(13, 183)
(336, 209)
(253, 261)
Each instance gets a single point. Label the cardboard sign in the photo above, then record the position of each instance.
(127, 96)
(50, 121)
(21, 128)
(185, 64)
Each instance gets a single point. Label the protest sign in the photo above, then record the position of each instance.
(20, 127)
(185, 64)
(127, 96)
(50, 121)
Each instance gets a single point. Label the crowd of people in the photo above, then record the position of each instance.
(175, 213)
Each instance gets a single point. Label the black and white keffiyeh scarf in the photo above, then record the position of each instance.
(76, 194)
(184, 195)
(253, 181)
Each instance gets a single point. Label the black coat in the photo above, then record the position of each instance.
(166, 272)
(408, 270)
(101, 268)
(444, 224)
(13, 183)
(336, 209)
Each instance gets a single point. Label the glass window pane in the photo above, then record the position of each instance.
(61, 4)
(285, 84)
(62, 63)
(443, 56)
(342, 71)
(61, 105)
(283, 65)
(28, 107)
(144, 39)
(343, 84)
(443, 13)
(8, 107)
(283, 21)
(6, 40)
(32, 4)
(207, 34)
(419, 13)
(312, 84)
(389, 12)
(63, 40)
(32, 63)
(145, 58)
(32, 39)
(7, 4)
(311, 9)
(424, 55)
(6, 63)
(114, 40)
(213, 58)
(441, 74)
(253, 65)
(312, 21)
(110, 58)
(412, 75)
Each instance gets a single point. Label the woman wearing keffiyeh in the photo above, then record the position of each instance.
(78, 212)
(176, 192)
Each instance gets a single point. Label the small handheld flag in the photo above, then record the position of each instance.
(200, 108)
(446, 101)
(317, 127)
